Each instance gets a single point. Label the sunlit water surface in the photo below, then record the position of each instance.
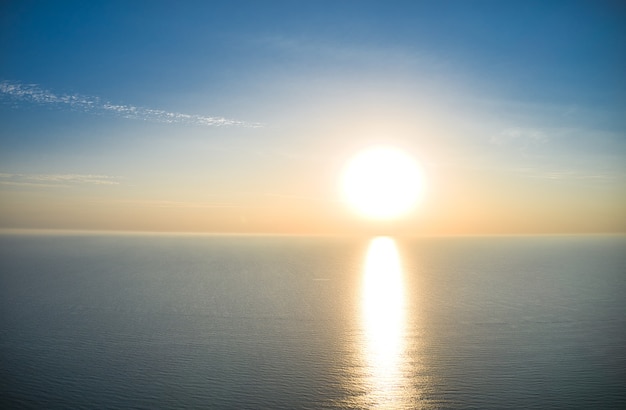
(291, 322)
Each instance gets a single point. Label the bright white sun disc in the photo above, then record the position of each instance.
(382, 183)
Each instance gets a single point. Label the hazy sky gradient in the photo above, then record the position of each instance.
(240, 116)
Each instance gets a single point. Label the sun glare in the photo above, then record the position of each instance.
(382, 183)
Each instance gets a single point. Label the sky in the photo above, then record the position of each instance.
(240, 116)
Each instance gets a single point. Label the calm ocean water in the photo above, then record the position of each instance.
(246, 322)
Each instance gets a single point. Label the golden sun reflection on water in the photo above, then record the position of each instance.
(383, 310)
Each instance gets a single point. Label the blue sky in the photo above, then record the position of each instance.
(230, 104)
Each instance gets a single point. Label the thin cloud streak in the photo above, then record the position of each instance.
(56, 180)
(520, 136)
(301, 197)
(568, 174)
(32, 93)
(180, 204)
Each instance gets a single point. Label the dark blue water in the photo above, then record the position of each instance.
(90, 321)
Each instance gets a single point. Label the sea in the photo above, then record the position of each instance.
(120, 321)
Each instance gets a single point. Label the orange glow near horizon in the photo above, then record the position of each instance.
(310, 198)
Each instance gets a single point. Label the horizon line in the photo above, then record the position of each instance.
(103, 232)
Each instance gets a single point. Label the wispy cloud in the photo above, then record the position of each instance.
(520, 136)
(300, 197)
(180, 204)
(569, 174)
(32, 93)
(56, 180)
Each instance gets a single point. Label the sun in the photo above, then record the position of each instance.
(382, 183)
